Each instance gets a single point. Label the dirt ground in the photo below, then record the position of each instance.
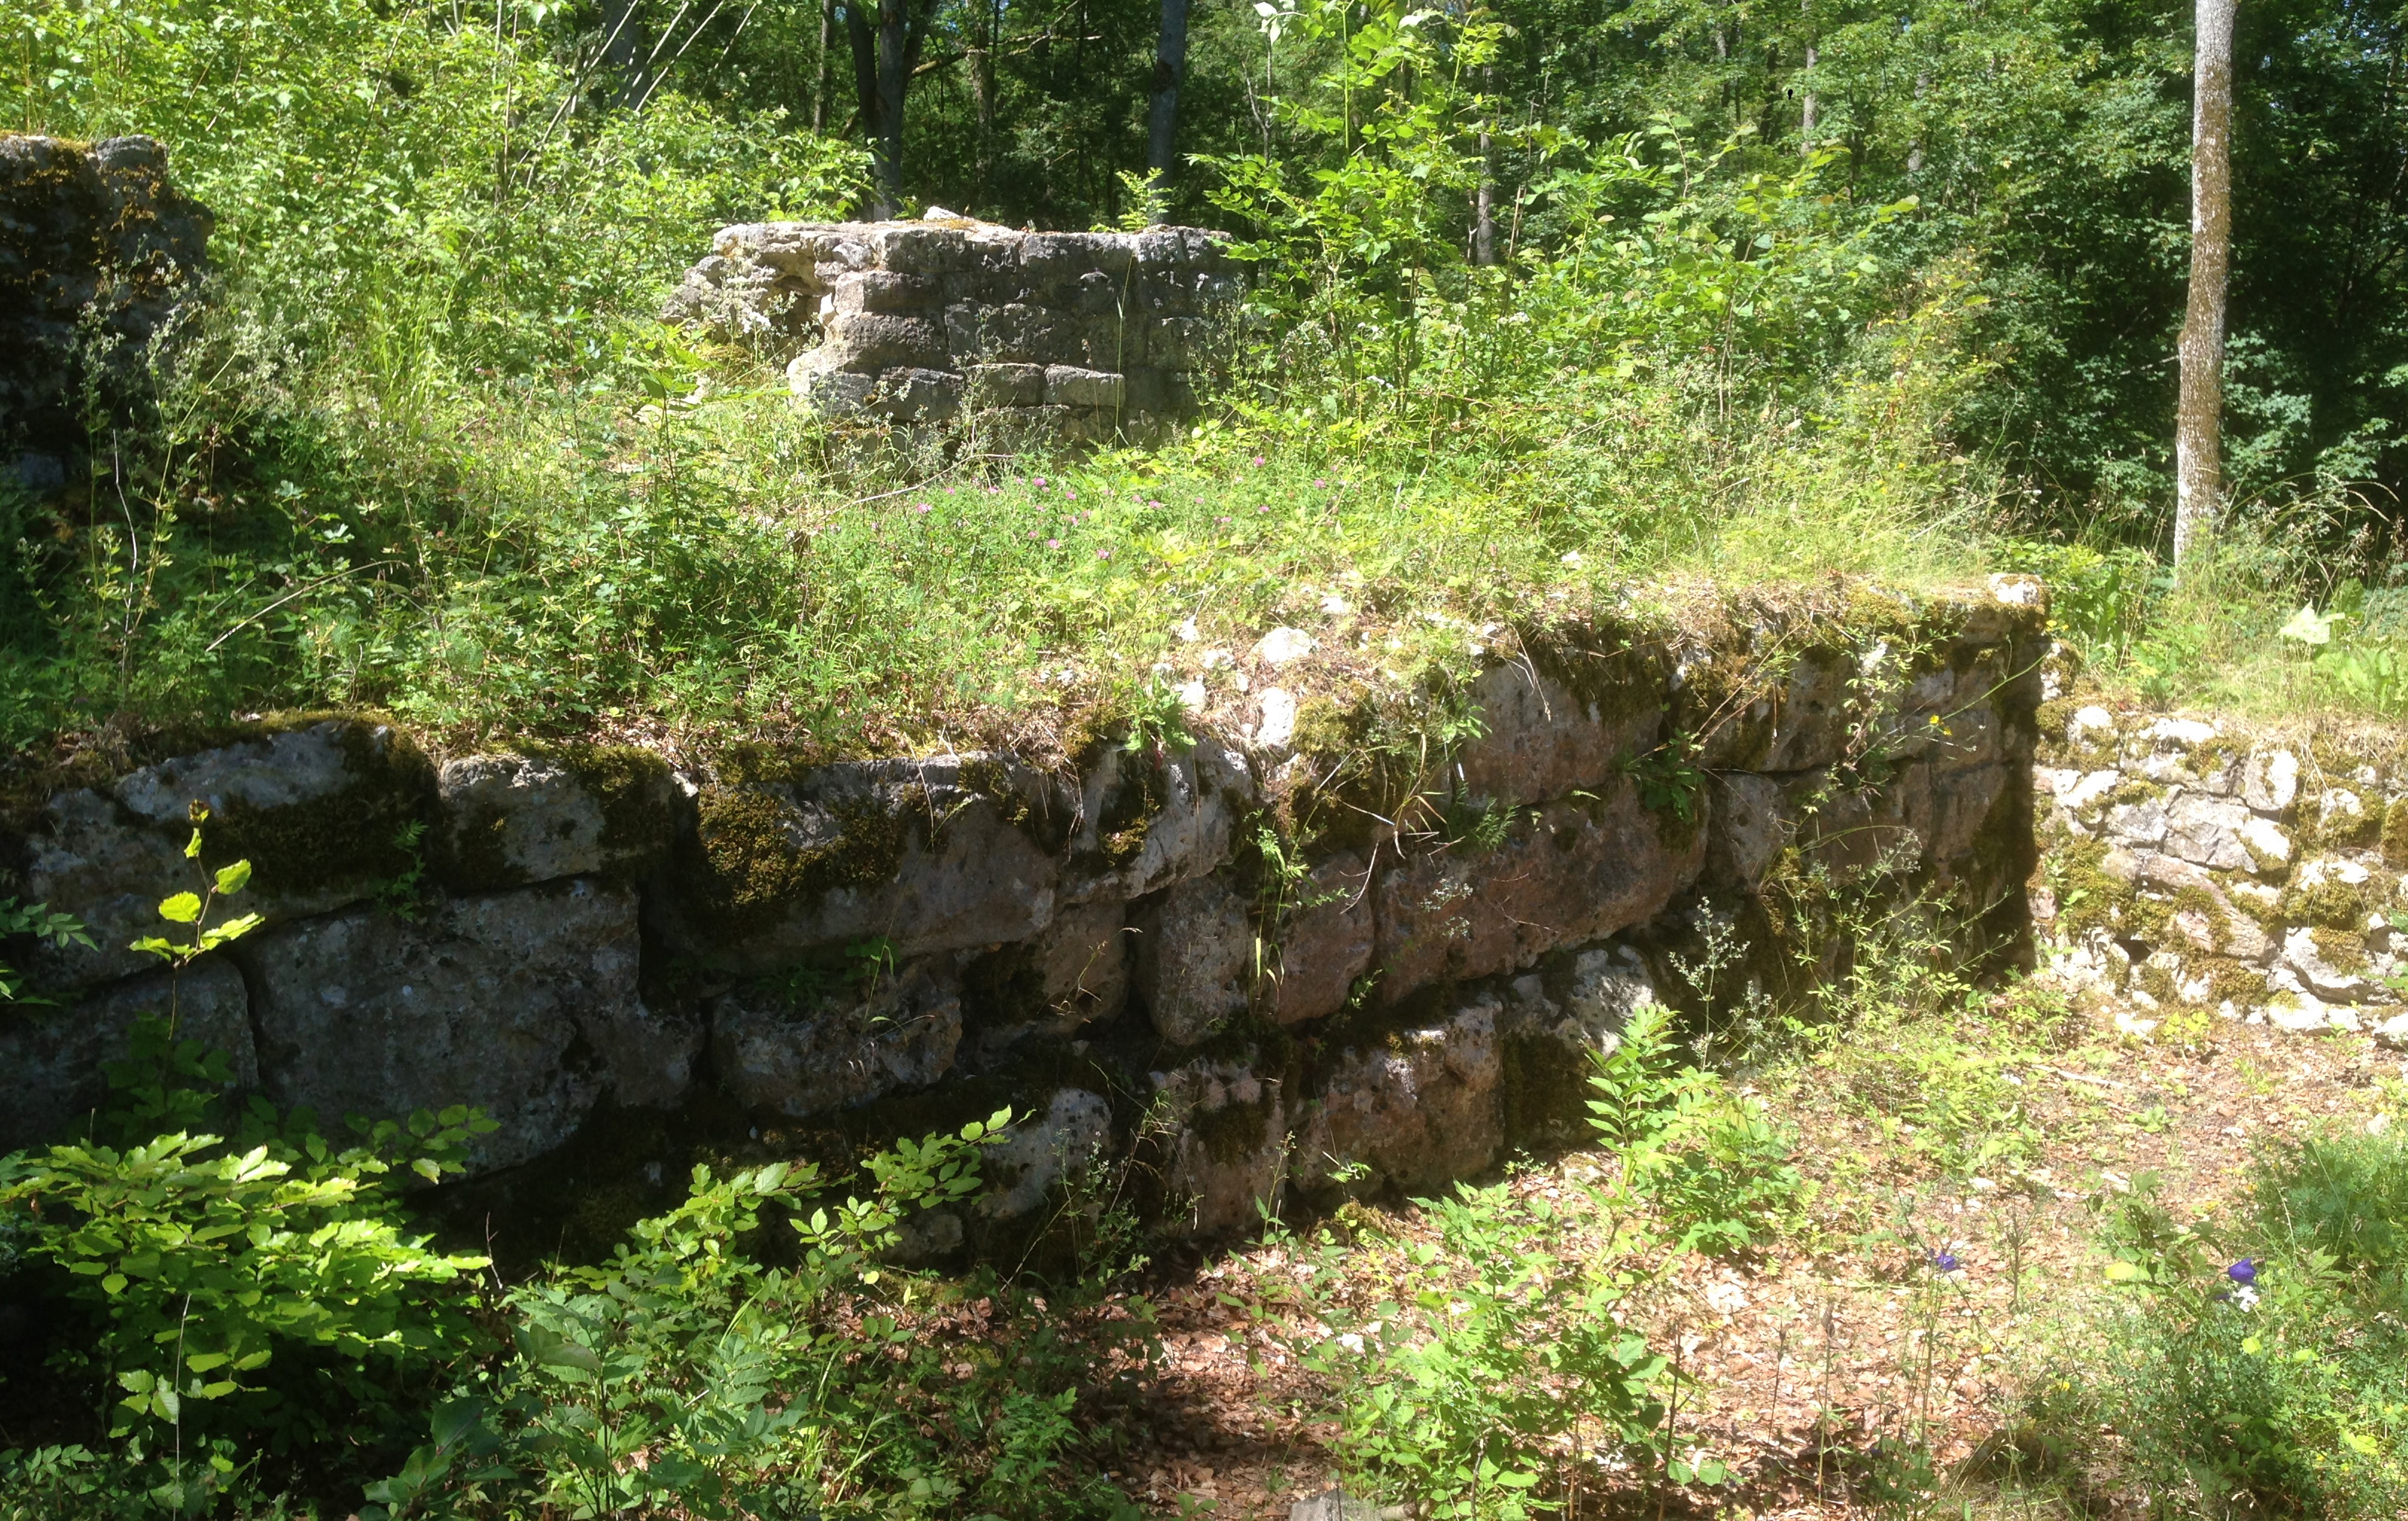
(1811, 1358)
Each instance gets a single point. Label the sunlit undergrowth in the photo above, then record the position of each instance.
(519, 561)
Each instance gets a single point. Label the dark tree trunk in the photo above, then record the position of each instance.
(861, 37)
(1169, 71)
(820, 88)
(894, 72)
(1483, 200)
(2198, 416)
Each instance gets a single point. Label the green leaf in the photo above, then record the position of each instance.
(235, 878)
(182, 909)
(2124, 1272)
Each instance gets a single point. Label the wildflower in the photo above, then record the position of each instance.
(924, 509)
(1945, 1261)
(1319, 482)
(1258, 461)
(1151, 502)
(1220, 520)
(1041, 482)
(1071, 491)
(1262, 510)
(2244, 1272)
(1052, 543)
(1103, 554)
(2245, 1297)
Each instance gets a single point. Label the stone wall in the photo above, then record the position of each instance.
(98, 252)
(1044, 337)
(2203, 868)
(606, 953)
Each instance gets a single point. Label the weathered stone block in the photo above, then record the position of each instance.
(1194, 959)
(1327, 937)
(1229, 1129)
(927, 854)
(869, 341)
(1147, 820)
(1066, 385)
(1541, 740)
(317, 810)
(1571, 872)
(882, 290)
(829, 1054)
(1006, 385)
(505, 820)
(1417, 1110)
(56, 1059)
(523, 1004)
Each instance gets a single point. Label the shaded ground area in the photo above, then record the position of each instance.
(1827, 1364)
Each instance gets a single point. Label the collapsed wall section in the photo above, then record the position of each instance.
(1317, 950)
(1032, 337)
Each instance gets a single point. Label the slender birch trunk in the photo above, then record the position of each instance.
(2198, 473)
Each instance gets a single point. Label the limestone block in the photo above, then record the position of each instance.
(1571, 872)
(831, 393)
(2140, 823)
(2205, 831)
(2317, 971)
(1419, 1109)
(1082, 963)
(1043, 1151)
(881, 289)
(523, 1004)
(2268, 847)
(917, 395)
(1748, 826)
(1194, 959)
(1229, 1127)
(928, 855)
(1006, 385)
(1029, 335)
(918, 248)
(2393, 1032)
(317, 811)
(2341, 813)
(865, 342)
(2087, 791)
(2090, 725)
(1148, 389)
(1148, 819)
(1328, 937)
(1799, 721)
(1542, 741)
(810, 1056)
(56, 1058)
(1066, 385)
(2271, 780)
(505, 820)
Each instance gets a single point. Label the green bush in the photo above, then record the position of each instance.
(2265, 1356)
(1710, 1163)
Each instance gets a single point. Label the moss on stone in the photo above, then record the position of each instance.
(2343, 950)
(751, 864)
(342, 840)
(2329, 904)
(1234, 1132)
(2395, 834)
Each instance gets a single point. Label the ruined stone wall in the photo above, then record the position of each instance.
(614, 957)
(97, 253)
(1031, 337)
(2203, 868)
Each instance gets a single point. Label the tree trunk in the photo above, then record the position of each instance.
(1483, 205)
(894, 72)
(623, 43)
(2198, 417)
(820, 88)
(1169, 71)
(982, 88)
(1807, 108)
(861, 40)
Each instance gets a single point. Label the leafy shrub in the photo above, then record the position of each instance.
(1469, 1391)
(1709, 1162)
(2265, 1357)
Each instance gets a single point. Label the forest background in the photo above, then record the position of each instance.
(1760, 290)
